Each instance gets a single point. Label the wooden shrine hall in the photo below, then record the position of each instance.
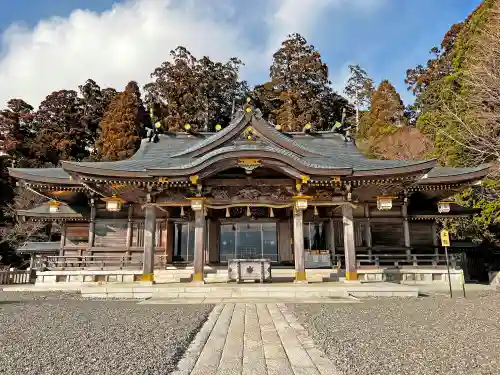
(250, 191)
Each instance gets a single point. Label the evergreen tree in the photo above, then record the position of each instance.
(299, 91)
(200, 92)
(17, 133)
(95, 102)
(386, 113)
(444, 100)
(61, 133)
(123, 125)
(359, 89)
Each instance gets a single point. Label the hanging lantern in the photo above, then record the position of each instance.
(384, 203)
(444, 207)
(182, 211)
(271, 212)
(114, 203)
(316, 213)
(228, 213)
(54, 206)
(301, 201)
(249, 212)
(196, 203)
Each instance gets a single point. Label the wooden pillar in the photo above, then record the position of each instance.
(298, 246)
(206, 240)
(91, 227)
(368, 231)
(349, 244)
(330, 240)
(285, 253)
(406, 227)
(129, 226)
(213, 240)
(149, 244)
(435, 242)
(170, 241)
(199, 239)
(63, 239)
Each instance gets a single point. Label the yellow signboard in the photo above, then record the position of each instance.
(445, 238)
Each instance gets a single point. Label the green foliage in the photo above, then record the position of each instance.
(200, 92)
(449, 115)
(385, 116)
(484, 225)
(299, 91)
(123, 125)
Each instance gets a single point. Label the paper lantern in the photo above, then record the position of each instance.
(384, 203)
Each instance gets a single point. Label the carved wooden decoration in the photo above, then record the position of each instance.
(251, 193)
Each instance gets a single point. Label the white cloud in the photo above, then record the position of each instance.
(128, 41)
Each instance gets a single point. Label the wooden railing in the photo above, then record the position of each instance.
(88, 262)
(96, 262)
(399, 260)
(15, 277)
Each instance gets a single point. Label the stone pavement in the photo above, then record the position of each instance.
(253, 339)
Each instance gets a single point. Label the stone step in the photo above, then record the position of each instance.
(286, 291)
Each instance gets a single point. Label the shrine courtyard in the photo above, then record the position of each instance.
(63, 333)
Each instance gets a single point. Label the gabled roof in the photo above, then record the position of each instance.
(440, 175)
(324, 153)
(66, 212)
(55, 176)
(52, 247)
(184, 154)
(455, 211)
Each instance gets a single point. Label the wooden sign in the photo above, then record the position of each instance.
(445, 238)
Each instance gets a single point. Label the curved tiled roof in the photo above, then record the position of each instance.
(325, 152)
(43, 175)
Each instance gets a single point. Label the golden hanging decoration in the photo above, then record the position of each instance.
(271, 212)
(182, 211)
(249, 212)
(316, 213)
(228, 213)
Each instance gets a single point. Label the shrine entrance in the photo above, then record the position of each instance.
(248, 240)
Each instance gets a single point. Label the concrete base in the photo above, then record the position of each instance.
(219, 275)
(410, 275)
(237, 291)
(197, 282)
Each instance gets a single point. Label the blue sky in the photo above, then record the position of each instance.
(41, 53)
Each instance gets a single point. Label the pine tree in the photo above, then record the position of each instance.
(299, 91)
(200, 92)
(359, 89)
(386, 113)
(123, 125)
(95, 103)
(61, 134)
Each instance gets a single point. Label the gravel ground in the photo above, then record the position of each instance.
(60, 333)
(429, 335)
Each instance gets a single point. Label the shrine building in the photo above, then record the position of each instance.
(196, 200)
